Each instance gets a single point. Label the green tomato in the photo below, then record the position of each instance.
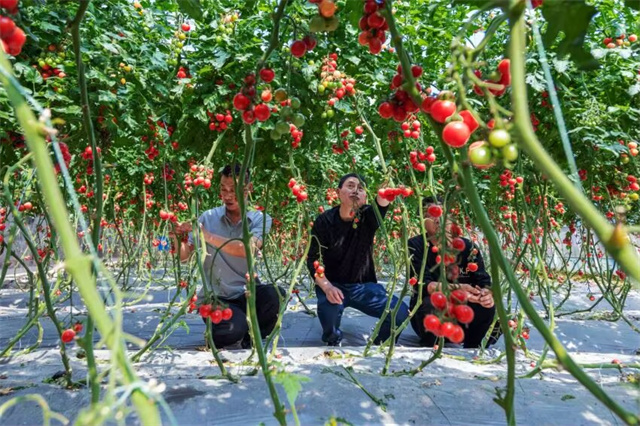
(50, 62)
(510, 152)
(311, 63)
(41, 63)
(298, 120)
(330, 113)
(295, 103)
(480, 153)
(219, 39)
(321, 88)
(275, 135)
(286, 112)
(282, 127)
(499, 138)
(323, 115)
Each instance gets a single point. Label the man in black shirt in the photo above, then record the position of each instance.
(468, 271)
(341, 260)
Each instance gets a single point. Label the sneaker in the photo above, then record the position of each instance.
(337, 343)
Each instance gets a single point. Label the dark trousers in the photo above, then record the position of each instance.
(473, 332)
(227, 333)
(369, 298)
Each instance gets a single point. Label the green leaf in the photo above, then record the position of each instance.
(219, 58)
(111, 48)
(291, 384)
(353, 59)
(633, 4)
(193, 8)
(572, 19)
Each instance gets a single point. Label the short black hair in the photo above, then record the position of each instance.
(344, 178)
(431, 199)
(232, 171)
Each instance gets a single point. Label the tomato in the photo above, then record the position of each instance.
(186, 27)
(455, 134)
(633, 38)
(469, 120)
(327, 8)
(457, 336)
(216, 316)
(510, 152)
(458, 296)
(267, 75)
(266, 96)
(431, 323)
(262, 112)
(438, 300)
(68, 335)
(499, 138)
(7, 26)
(463, 313)
(227, 313)
(447, 329)
(248, 117)
(441, 110)
(480, 155)
(472, 267)
(298, 48)
(9, 4)
(15, 41)
(416, 71)
(434, 211)
(204, 311)
(241, 102)
(359, 130)
(458, 244)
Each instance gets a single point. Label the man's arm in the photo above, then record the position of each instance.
(233, 248)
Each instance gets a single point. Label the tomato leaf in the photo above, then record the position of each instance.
(193, 8)
(571, 18)
(634, 4)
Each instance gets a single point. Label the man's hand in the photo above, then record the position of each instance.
(486, 298)
(183, 227)
(334, 294)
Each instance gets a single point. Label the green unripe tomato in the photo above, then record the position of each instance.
(480, 153)
(286, 112)
(298, 120)
(499, 138)
(321, 88)
(275, 135)
(330, 113)
(219, 39)
(282, 127)
(510, 152)
(323, 115)
(295, 103)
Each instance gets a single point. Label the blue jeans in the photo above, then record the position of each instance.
(368, 298)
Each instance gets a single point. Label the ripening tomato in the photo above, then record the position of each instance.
(463, 313)
(441, 110)
(456, 134)
(438, 300)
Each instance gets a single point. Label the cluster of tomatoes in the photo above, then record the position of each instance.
(3, 226)
(390, 194)
(373, 26)
(70, 333)
(504, 81)
(299, 191)
(400, 104)
(12, 38)
(319, 270)
(245, 100)
(454, 307)
(612, 43)
(219, 122)
(336, 81)
(198, 175)
(300, 47)
(215, 313)
(416, 158)
(183, 72)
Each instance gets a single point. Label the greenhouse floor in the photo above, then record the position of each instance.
(452, 390)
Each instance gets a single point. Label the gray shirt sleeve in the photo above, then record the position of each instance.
(258, 225)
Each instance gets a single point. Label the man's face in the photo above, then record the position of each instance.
(228, 193)
(352, 193)
(431, 224)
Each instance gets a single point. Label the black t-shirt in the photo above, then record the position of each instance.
(345, 252)
(478, 278)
